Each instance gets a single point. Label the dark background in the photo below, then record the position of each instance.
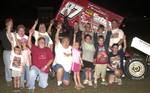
(135, 12)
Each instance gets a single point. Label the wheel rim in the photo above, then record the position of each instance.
(137, 69)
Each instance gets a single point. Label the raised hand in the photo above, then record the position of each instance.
(52, 22)
(36, 21)
(59, 26)
(108, 27)
(31, 31)
(35, 24)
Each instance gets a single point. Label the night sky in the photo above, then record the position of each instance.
(135, 12)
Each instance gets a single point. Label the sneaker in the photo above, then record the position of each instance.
(90, 83)
(95, 85)
(21, 88)
(104, 83)
(59, 83)
(119, 82)
(123, 75)
(85, 82)
(31, 90)
(16, 91)
(9, 83)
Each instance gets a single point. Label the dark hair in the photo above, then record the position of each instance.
(8, 19)
(101, 37)
(88, 24)
(87, 35)
(41, 38)
(17, 47)
(42, 23)
(115, 44)
(115, 20)
(76, 22)
(101, 27)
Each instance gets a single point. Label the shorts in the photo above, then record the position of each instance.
(76, 67)
(16, 73)
(66, 75)
(88, 64)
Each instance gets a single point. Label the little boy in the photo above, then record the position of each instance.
(101, 61)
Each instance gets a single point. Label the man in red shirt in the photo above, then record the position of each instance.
(42, 58)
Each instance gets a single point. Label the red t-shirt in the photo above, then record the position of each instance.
(103, 58)
(41, 56)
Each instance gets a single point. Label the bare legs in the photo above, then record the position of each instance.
(77, 80)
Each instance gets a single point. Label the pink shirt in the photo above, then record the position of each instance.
(76, 55)
(27, 56)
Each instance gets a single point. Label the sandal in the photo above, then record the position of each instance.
(81, 86)
(78, 87)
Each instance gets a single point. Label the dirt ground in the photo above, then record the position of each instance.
(129, 86)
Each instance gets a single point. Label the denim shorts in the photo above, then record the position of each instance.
(66, 74)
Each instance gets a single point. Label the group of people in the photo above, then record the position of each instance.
(62, 49)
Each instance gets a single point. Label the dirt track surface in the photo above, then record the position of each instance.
(129, 86)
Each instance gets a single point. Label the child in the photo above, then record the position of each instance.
(16, 66)
(88, 51)
(77, 63)
(114, 60)
(27, 56)
(100, 62)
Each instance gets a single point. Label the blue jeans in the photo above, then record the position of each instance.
(66, 75)
(122, 55)
(27, 69)
(43, 78)
(25, 76)
(6, 59)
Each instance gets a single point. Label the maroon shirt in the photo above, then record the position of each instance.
(41, 56)
(103, 59)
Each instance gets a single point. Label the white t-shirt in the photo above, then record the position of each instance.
(16, 36)
(24, 37)
(117, 35)
(88, 51)
(17, 62)
(61, 58)
(38, 34)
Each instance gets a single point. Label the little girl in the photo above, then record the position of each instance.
(27, 62)
(77, 63)
(17, 66)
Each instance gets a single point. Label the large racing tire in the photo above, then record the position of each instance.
(136, 69)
